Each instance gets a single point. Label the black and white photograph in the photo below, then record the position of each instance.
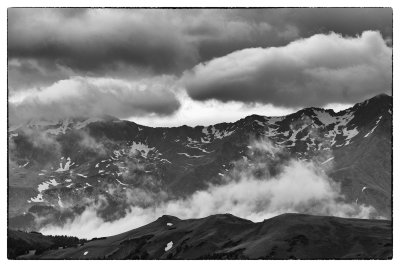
(201, 133)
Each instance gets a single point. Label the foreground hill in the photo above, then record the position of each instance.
(224, 236)
(20, 243)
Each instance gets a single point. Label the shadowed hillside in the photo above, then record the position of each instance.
(224, 236)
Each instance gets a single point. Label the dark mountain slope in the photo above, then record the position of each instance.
(288, 236)
(28, 244)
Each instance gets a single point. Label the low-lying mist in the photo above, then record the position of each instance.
(261, 185)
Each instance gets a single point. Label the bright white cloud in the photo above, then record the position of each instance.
(209, 112)
(315, 71)
(85, 96)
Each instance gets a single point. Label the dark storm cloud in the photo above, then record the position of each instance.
(171, 40)
(347, 21)
(30, 73)
(322, 69)
(94, 39)
(47, 47)
(309, 21)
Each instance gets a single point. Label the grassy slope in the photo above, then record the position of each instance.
(225, 236)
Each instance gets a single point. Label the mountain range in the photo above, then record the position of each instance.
(57, 169)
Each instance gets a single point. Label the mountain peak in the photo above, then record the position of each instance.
(381, 98)
(378, 103)
(382, 95)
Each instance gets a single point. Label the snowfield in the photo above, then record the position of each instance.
(66, 166)
(326, 161)
(141, 148)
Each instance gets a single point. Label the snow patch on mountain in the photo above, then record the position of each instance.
(22, 166)
(274, 120)
(38, 198)
(271, 131)
(304, 138)
(324, 117)
(326, 161)
(140, 147)
(201, 149)
(45, 185)
(205, 141)
(221, 134)
(66, 166)
(362, 190)
(121, 183)
(349, 134)
(191, 141)
(169, 246)
(343, 121)
(373, 129)
(294, 134)
(60, 202)
(190, 156)
(117, 153)
(212, 132)
(262, 124)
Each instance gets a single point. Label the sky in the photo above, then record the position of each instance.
(170, 67)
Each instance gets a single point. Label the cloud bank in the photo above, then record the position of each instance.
(260, 186)
(84, 96)
(287, 58)
(167, 40)
(322, 69)
(96, 39)
(316, 71)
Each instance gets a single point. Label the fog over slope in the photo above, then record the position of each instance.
(249, 191)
